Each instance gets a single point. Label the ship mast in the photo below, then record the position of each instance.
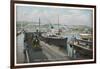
(58, 23)
(39, 24)
(39, 27)
(58, 26)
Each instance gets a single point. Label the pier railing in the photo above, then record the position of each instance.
(84, 43)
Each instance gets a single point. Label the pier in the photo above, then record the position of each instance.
(47, 52)
(80, 49)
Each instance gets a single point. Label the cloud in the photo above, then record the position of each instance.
(50, 15)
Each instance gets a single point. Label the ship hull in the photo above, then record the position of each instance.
(61, 42)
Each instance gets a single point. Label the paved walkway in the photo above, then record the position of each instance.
(19, 48)
(51, 52)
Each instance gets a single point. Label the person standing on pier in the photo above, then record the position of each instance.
(73, 39)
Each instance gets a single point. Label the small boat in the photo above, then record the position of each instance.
(83, 46)
(86, 36)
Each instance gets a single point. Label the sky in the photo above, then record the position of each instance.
(67, 16)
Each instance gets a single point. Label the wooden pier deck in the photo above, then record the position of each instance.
(51, 52)
(54, 53)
